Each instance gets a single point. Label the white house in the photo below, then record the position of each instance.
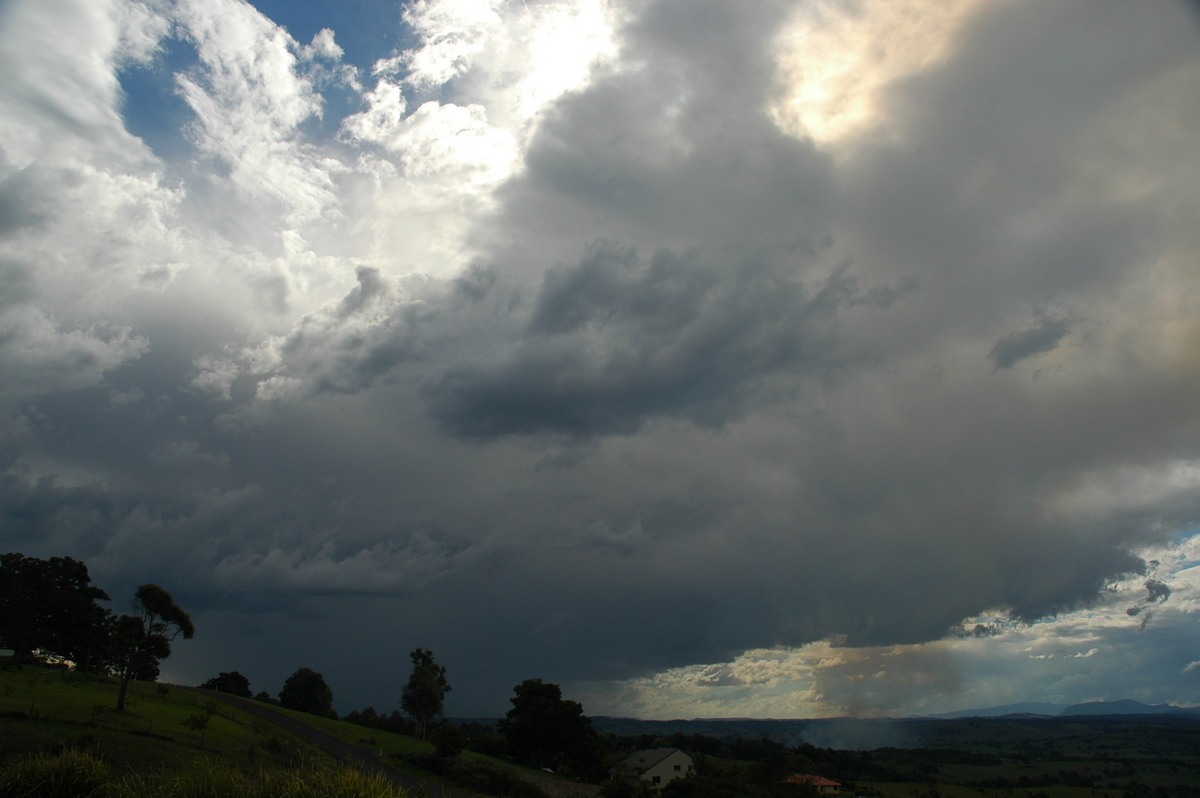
(658, 766)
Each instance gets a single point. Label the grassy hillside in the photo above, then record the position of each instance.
(57, 725)
(43, 710)
(61, 735)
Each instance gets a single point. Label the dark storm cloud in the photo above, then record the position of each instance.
(618, 339)
(700, 296)
(27, 511)
(709, 386)
(975, 183)
(693, 344)
(1017, 346)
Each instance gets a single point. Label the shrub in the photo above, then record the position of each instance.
(197, 721)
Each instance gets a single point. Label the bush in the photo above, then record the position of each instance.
(447, 740)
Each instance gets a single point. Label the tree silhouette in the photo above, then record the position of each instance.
(306, 691)
(426, 690)
(50, 605)
(143, 639)
(545, 730)
(233, 683)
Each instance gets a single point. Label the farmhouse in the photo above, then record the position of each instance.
(657, 766)
(822, 785)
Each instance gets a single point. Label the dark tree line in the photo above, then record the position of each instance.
(542, 729)
(49, 606)
(232, 683)
(304, 691)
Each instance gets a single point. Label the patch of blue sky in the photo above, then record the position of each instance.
(153, 109)
(339, 102)
(366, 30)
(1182, 537)
(1187, 533)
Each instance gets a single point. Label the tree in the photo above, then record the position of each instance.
(545, 730)
(306, 691)
(50, 605)
(233, 683)
(143, 639)
(426, 690)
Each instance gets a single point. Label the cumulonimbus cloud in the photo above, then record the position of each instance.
(608, 360)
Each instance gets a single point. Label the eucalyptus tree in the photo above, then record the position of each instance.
(143, 638)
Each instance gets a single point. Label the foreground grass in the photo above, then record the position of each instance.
(81, 774)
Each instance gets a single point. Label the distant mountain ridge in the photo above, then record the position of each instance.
(866, 734)
(1023, 708)
(1125, 706)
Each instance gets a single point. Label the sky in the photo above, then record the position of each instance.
(778, 358)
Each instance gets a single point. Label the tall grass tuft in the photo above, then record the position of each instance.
(70, 774)
(199, 782)
(217, 782)
(325, 783)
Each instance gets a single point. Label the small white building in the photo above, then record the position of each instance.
(658, 766)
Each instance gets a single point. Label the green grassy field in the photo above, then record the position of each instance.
(45, 710)
(56, 724)
(60, 734)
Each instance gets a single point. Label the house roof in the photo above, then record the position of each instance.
(648, 758)
(810, 779)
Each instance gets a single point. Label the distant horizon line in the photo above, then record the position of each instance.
(992, 711)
